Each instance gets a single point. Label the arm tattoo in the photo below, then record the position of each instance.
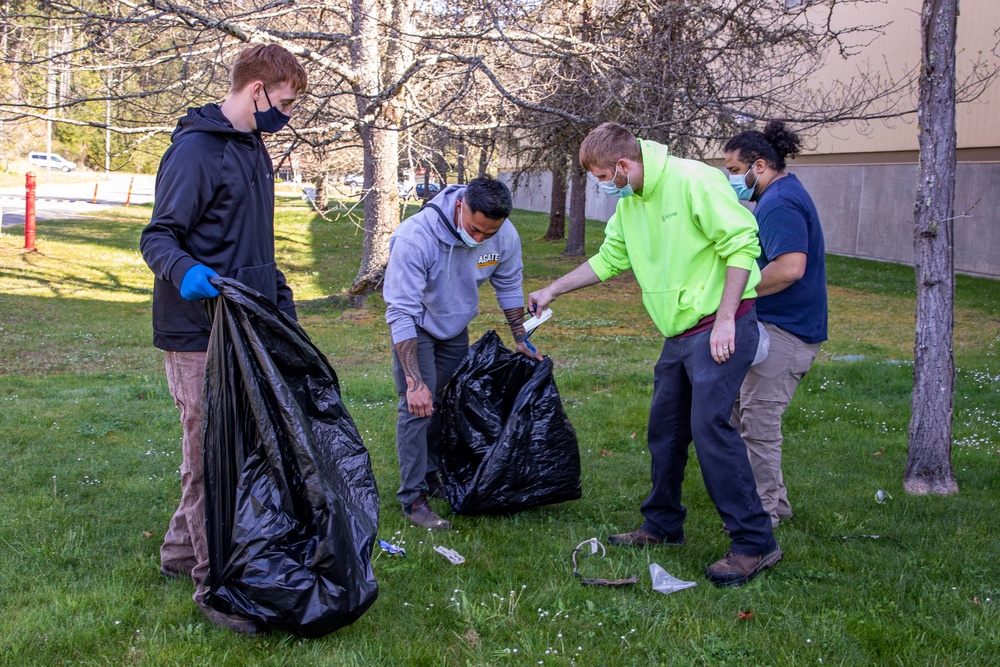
(515, 318)
(406, 350)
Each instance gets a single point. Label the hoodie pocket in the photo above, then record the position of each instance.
(263, 278)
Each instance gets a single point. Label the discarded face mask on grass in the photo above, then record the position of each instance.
(666, 583)
(591, 581)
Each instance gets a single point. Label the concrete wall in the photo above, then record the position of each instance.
(532, 192)
(866, 210)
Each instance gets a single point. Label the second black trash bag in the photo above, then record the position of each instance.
(506, 443)
(291, 504)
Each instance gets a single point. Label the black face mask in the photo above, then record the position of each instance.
(271, 120)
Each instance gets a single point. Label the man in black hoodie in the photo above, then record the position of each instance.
(214, 216)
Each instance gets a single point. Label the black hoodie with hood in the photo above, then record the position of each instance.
(214, 205)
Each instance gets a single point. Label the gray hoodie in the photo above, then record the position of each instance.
(432, 279)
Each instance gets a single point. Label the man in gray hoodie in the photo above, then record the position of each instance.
(438, 258)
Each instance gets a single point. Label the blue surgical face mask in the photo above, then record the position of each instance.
(466, 237)
(271, 120)
(739, 183)
(610, 189)
(468, 240)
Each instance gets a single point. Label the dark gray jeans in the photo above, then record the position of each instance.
(417, 437)
(693, 399)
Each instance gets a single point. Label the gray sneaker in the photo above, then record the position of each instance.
(737, 569)
(420, 513)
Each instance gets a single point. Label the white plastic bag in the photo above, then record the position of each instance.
(763, 344)
(665, 582)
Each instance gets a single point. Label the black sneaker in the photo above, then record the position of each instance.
(737, 569)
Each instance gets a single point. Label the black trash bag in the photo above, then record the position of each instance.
(291, 504)
(506, 443)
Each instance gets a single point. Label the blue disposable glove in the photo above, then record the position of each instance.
(528, 342)
(195, 285)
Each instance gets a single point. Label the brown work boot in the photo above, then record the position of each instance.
(737, 569)
(420, 513)
(234, 622)
(640, 538)
(435, 489)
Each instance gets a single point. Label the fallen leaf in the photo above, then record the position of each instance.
(744, 615)
(975, 601)
(880, 452)
(606, 452)
(632, 436)
(147, 533)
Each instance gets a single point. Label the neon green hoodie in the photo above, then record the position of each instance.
(678, 237)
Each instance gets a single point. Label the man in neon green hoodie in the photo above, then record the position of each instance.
(692, 248)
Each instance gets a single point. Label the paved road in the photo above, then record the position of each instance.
(71, 196)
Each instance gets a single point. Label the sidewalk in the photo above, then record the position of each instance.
(75, 198)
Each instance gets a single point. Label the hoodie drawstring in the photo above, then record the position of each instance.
(451, 228)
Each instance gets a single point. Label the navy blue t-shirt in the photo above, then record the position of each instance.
(788, 222)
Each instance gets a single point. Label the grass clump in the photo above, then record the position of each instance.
(92, 445)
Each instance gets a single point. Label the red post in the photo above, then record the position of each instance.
(94, 200)
(29, 211)
(128, 197)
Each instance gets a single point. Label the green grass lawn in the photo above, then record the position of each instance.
(91, 446)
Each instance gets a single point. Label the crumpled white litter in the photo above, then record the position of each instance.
(453, 556)
(665, 582)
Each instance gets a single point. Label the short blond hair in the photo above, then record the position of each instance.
(606, 144)
(271, 64)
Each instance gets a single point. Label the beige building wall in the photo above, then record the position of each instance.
(896, 54)
(863, 176)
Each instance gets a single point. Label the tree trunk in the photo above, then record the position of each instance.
(427, 182)
(928, 460)
(381, 149)
(322, 196)
(441, 166)
(577, 213)
(460, 162)
(557, 211)
(484, 160)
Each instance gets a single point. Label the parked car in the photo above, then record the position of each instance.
(432, 189)
(406, 191)
(51, 160)
(355, 180)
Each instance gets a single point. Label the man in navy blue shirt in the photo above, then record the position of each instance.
(791, 301)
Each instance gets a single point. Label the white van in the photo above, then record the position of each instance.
(51, 160)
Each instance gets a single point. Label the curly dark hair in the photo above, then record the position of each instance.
(772, 145)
